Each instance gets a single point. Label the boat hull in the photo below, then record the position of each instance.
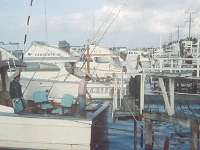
(59, 88)
(35, 131)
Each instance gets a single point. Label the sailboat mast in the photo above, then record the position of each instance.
(88, 57)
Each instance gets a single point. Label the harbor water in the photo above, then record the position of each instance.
(120, 136)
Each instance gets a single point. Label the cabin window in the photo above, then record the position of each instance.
(101, 59)
(81, 59)
(33, 66)
(68, 66)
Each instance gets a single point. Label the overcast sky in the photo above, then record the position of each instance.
(137, 24)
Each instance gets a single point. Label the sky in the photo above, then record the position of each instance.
(111, 23)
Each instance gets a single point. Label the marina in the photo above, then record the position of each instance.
(90, 76)
(162, 102)
(162, 99)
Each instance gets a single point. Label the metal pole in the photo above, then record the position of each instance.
(189, 25)
(198, 57)
(122, 92)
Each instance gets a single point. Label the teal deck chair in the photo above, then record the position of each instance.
(65, 105)
(41, 100)
(17, 105)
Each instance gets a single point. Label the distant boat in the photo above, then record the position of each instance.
(102, 61)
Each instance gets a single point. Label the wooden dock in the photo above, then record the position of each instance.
(187, 108)
(186, 113)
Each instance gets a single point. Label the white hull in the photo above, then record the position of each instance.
(43, 133)
(55, 132)
(59, 88)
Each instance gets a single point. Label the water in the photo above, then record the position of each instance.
(120, 136)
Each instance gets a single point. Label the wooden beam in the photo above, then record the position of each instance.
(162, 86)
(135, 135)
(194, 135)
(148, 136)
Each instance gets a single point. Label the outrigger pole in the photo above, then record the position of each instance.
(88, 56)
(27, 28)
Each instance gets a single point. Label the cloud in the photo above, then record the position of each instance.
(137, 20)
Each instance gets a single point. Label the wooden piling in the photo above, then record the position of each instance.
(166, 145)
(135, 134)
(141, 137)
(148, 136)
(194, 135)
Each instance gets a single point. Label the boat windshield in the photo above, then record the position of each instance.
(101, 59)
(33, 66)
(81, 59)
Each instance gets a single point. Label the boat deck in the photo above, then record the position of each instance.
(90, 112)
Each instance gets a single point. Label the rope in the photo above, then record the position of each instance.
(134, 23)
(60, 69)
(10, 14)
(190, 5)
(94, 37)
(55, 80)
(109, 26)
(104, 21)
(35, 72)
(120, 25)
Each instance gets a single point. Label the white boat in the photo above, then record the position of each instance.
(52, 69)
(102, 61)
(77, 130)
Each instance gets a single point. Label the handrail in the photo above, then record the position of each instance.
(160, 76)
(121, 87)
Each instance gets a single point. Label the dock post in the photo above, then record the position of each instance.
(135, 134)
(141, 137)
(148, 136)
(194, 135)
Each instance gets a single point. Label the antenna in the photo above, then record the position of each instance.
(178, 31)
(46, 21)
(190, 20)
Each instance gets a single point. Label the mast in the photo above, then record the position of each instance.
(88, 56)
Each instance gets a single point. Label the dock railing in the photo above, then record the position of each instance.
(160, 71)
(120, 90)
(175, 65)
